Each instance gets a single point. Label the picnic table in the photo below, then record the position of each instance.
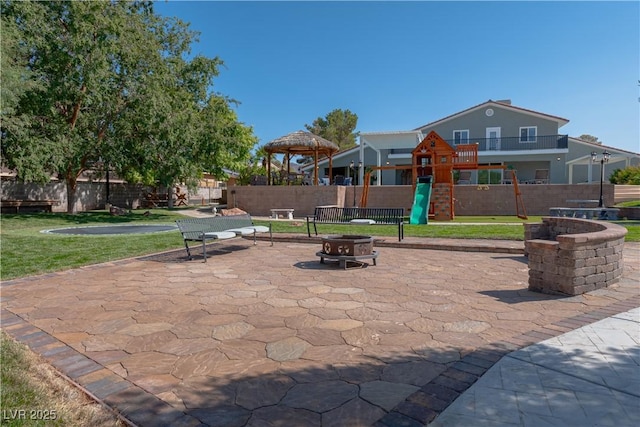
(181, 198)
(153, 200)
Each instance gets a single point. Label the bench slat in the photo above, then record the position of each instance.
(338, 215)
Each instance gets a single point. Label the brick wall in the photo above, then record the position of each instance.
(468, 199)
(90, 195)
(258, 200)
(537, 198)
(573, 256)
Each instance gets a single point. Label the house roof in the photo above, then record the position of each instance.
(390, 132)
(601, 146)
(501, 104)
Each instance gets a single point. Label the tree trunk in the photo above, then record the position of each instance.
(72, 194)
(169, 196)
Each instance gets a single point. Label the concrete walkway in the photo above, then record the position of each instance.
(586, 377)
(267, 336)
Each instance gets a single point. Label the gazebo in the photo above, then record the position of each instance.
(303, 144)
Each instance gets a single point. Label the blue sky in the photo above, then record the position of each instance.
(399, 65)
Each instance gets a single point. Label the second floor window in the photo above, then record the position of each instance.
(460, 137)
(528, 134)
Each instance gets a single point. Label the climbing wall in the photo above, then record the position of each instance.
(442, 201)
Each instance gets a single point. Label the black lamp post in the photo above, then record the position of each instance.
(354, 168)
(604, 159)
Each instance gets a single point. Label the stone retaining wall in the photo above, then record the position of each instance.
(572, 256)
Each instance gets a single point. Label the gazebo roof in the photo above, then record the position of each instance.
(303, 143)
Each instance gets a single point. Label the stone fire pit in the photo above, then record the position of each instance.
(349, 250)
(347, 245)
(572, 256)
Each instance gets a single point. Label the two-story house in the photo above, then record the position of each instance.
(507, 137)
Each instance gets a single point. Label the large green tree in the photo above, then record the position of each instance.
(109, 81)
(338, 126)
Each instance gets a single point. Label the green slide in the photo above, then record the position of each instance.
(420, 209)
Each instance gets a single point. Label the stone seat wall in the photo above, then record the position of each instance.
(572, 256)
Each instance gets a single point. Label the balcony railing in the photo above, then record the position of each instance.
(514, 143)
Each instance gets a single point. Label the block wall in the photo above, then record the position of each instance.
(467, 199)
(259, 199)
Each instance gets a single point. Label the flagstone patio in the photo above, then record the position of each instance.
(263, 335)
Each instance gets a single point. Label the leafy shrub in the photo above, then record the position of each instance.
(627, 176)
(489, 177)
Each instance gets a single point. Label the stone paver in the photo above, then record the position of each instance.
(263, 335)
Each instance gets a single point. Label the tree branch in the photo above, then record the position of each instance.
(76, 109)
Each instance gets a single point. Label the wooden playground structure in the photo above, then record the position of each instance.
(436, 158)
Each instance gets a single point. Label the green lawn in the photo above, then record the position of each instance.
(25, 251)
(629, 204)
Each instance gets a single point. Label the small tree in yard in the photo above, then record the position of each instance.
(108, 81)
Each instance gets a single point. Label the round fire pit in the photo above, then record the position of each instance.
(348, 250)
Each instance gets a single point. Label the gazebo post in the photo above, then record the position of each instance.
(269, 169)
(288, 155)
(315, 167)
(330, 169)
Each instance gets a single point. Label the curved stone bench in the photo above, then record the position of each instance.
(572, 256)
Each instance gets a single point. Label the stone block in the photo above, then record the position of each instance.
(535, 274)
(577, 281)
(567, 254)
(568, 272)
(613, 258)
(536, 266)
(570, 262)
(595, 261)
(595, 278)
(615, 242)
(604, 251)
(552, 278)
(585, 271)
(589, 253)
(605, 268)
(533, 257)
(540, 244)
(581, 289)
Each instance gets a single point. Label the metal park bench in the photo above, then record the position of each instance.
(218, 228)
(355, 215)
